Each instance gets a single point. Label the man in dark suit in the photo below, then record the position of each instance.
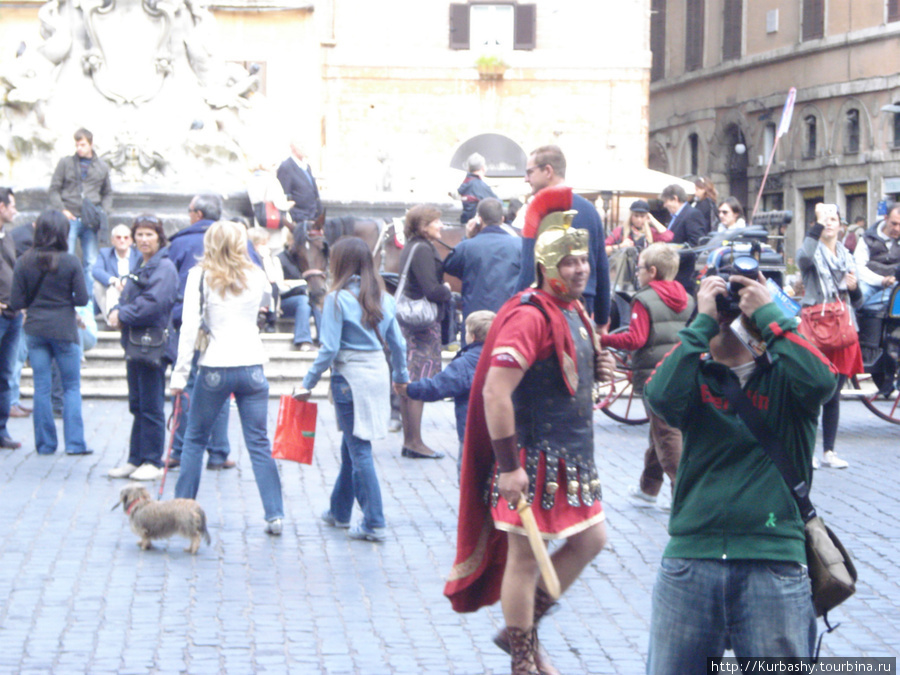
(112, 266)
(687, 223)
(295, 176)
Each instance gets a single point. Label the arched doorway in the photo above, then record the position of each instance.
(502, 155)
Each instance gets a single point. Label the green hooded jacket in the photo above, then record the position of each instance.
(730, 501)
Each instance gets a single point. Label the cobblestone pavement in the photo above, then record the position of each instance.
(78, 595)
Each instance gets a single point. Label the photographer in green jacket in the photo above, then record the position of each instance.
(734, 571)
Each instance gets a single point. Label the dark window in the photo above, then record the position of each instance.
(693, 35)
(732, 29)
(893, 8)
(526, 27)
(851, 142)
(524, 30)
(813, 19)
(811, 148)
(694, 142)
(658, 39)
(897, 127)
(459, 26)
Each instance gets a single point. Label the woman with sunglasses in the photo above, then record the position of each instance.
(731, 215)
(146, 301)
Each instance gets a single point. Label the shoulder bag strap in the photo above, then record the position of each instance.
(770, 443)
(37, 289)
(401, 285)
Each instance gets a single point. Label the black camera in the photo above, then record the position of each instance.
(744, 266)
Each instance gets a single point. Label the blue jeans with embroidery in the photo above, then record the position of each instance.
(217, 444)
(251, 392)
(357, 478)
(758, 607)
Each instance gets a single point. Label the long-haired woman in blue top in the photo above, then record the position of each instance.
(358, 320)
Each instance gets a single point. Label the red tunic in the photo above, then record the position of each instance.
(520, 335)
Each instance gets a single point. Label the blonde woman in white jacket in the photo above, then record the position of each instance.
(233, 289)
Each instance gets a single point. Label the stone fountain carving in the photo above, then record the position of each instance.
(144, 76)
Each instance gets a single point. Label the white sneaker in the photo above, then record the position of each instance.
(274, 527)
(831, 459)
(815, 462)
(640, 498)
(147, 472)
(122, 471)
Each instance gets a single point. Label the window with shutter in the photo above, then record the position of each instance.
(658, 39)
(813, 19)
(459, 26)
(893, 10)
(493, 25)
(693, 35)
(732, 30)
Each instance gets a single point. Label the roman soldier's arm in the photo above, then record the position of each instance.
(499, 386)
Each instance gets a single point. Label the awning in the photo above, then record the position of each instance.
(628, 180)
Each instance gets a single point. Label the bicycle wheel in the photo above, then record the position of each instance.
(887, 408)
(617, 399)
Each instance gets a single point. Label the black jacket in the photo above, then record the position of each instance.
(50, 297)
(301, 189)
(688, 226)
(426, 273)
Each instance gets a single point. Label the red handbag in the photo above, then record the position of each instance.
(829, 326)
(273, 216)
(295, 432)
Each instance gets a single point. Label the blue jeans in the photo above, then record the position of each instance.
(89, 248)
(146, 401)
(217, 444)
(700, 607)
(298, 307)
(9, 352)
(19, 363)
(41, 352)
(251, 391)
(357, 478)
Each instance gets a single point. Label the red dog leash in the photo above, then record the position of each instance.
(172, 424)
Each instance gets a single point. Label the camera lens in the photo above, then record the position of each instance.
(746, 266)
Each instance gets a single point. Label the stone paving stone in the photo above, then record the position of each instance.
(82, 597)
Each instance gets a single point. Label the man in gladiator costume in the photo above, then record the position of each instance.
(529, 435)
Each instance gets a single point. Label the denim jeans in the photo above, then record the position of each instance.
(357, 478)
(701, 607)
(251, 391)
(146, 401)
(298, 307)
(89, 249)
(41, 352)
(16, 377)
(217, 444)
(9, 352)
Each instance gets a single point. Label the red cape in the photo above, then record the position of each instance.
(477, 573)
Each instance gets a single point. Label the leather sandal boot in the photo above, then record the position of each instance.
(543, 603)
(521, 643)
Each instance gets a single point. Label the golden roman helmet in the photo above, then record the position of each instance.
(549, 221)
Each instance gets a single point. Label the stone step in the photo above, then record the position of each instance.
(103, 370)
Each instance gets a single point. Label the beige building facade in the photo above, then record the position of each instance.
(721, 74)
(383, 94)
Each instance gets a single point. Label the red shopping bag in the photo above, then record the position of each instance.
(295, 431)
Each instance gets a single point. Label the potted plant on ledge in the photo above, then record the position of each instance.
(490, 67)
